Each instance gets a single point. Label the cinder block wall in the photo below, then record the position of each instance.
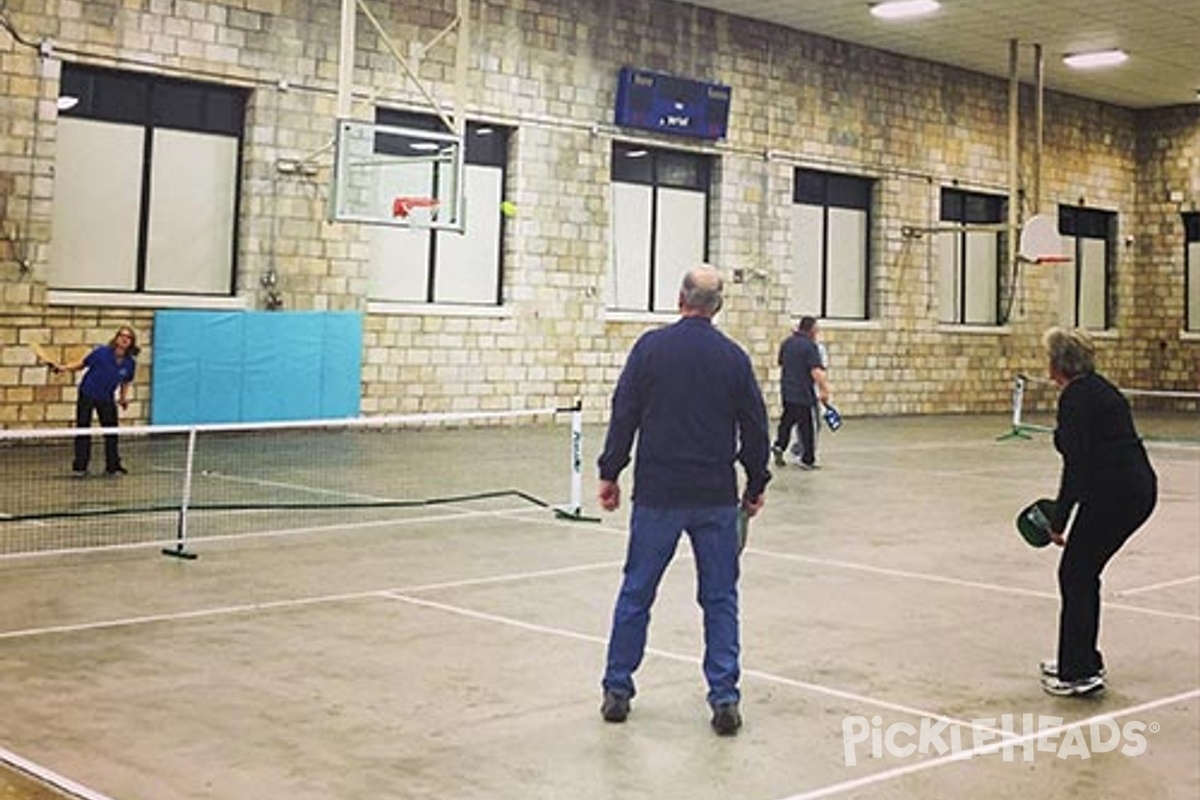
(549, 69)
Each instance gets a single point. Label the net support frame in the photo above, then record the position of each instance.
(185, 497)
(573, 510)
(1021, 430)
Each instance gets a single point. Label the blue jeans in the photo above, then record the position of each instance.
(653, 536)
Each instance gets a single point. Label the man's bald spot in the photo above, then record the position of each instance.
(701, 289)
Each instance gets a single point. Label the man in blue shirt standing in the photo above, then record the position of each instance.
(803, 384)
(689, 395)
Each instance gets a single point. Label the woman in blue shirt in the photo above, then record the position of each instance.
(105, 385)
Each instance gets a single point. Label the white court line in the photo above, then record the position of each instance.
(969, 584)
(49, 776)
(988, 749)
(1152, 587)
(272, 605)
(814, 688)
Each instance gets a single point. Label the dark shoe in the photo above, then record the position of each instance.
(726, 719)
(778, 453)
(78, 473)
(615, 707)
(1049, 669)
(807, 467)
(1077, 688)
(117, 470)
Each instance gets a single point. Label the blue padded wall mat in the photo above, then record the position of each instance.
(255, 366)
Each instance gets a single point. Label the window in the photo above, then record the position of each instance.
(659, 225)
(414, 265)
(831, 223)
(969, 259)
(146, 184)
(1084, 292)
(1191, 277)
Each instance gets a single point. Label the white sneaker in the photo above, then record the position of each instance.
(1049, 669)
(1080, 688)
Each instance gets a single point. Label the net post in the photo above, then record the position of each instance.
(179, 550)
(1018, 400)
(574, 508)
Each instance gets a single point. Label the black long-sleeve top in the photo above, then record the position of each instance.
(689, 394)
(1100, 447)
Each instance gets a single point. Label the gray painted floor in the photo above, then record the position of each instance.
(455, 651)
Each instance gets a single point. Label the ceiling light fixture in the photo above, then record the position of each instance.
(1096, 58)
(903, 9)
(66, 102)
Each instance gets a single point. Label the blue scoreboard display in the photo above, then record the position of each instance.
(667, 104)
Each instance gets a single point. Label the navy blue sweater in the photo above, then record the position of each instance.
(689, 394)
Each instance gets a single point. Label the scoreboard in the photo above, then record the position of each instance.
(668, 104)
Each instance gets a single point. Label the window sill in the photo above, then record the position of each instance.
(974, 330)
(1189, 336)
(643, 317)
(394, 309)
(60, 297)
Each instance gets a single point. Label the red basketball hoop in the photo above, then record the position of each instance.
(403, 206)
(1052, 260)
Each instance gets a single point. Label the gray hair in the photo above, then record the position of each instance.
(701, 289)
(1071, 352)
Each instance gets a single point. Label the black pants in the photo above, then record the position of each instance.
(1101, 527)
(107, 412)
(802, 417)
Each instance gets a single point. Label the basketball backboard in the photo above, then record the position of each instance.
(402, 177)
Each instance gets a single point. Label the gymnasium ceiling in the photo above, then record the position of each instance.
(1162, 38)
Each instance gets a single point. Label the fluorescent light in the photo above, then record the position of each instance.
(424, 147)
(637, 154)
(903, 9)
(66, 102)
(1097, 58)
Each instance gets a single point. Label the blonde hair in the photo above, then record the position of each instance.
(1071, 352)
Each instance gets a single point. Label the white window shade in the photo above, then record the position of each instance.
(980, 271)
(1093, 288)
(846, 270)
(679, 244)
(193, 197)
(808, 254)
(97, 199)
(467, 262)
(629, 276)
(1193, 286)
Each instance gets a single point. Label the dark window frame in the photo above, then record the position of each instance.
(836, 190)
(152, 102)
(1079, 223)
(966, 208)
(657, 168)
(481, 150)
(1191, 234)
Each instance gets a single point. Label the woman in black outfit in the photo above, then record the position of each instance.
(1107, 474)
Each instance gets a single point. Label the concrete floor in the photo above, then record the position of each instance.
(455, 652)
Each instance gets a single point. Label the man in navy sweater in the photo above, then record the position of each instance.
(689, 395)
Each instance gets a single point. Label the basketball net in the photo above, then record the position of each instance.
(403, 206)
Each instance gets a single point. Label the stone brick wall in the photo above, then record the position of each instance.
(548, 68)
